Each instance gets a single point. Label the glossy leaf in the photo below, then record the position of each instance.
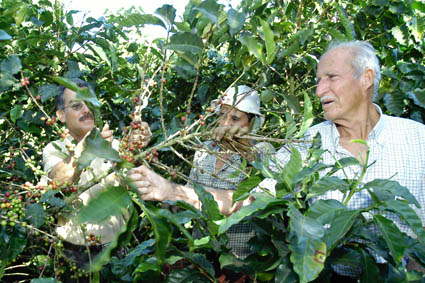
(96, 147)
(47, 91)
(291, 168)
(44, 280)
(392, 187)
(201, 261)
(138, 20)
(16, 113)
(12, 243)
(259, 204)
(270, 43)
(392, 236)
(209, 206)
(4, 35)
(370, 272)
(235, 20)
(348, 27)
(11, 65)
(418, 97)
(35, 214)
(105, 256)
(246, 186)
(307, 117)
(185, 275)
(168, 13)
(185, 42)
(209, 9)
(407, 214)
(394, 102)
(253, 45)
(111, 201)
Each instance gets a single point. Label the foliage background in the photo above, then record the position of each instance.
(271, 45)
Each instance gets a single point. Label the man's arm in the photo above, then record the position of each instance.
(66, 170)
(153, 187)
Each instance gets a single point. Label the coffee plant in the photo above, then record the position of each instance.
(169, 83)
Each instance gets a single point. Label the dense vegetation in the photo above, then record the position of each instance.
(271, 45)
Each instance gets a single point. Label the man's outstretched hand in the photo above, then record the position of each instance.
(149, 185)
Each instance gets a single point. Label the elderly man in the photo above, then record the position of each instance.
(216, 167)
(348, 78)
(60, 163)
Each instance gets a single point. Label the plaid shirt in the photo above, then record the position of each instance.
(397, 152)
(227, 178)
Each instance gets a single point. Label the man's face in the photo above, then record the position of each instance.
(233, 117)
(339, 91)
(77, 116)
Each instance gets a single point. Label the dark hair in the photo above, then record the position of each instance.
(250, 116)
(60, 99)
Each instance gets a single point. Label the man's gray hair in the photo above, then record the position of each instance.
(60, 99)
(364, 57)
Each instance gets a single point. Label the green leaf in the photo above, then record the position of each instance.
(168, 13)
(392, 187)
(49, 197)
(270, 43)
(161, 229)
(44, 280)
(307, 117)
(419, 5)
(293, 102)
(35, 214)
(370, 272)
(139, 20)
(209, 206)
(12, 243)
(259, 204)
(111, 201)
(185, 42)
(209, 9)
(47, 91)
(417, 27)
(392, 236)
(395, 103)
(342, 163)
(253, 45)
(246, 186)
(120, 240)
(11, 65)
(16, 113)
(291, 168)
(185, 275)
(21, 13)
(336, 217)
(418, 97)
(308, 252)
(303, 226)
(101, 53)
(96, 147)
(4, 35)
(408, 215)
(291, 49)
(399, 35)
(345, 21)
(201, 261)
(328, 183)
(235, 20)
(284, 272)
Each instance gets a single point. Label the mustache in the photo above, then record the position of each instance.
(86, 116)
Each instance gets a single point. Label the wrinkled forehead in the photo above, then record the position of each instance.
(338, 59)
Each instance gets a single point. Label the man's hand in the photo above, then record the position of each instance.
(107, 133)
(141, 135)
(228, 137)
(226, 131)
(150, 186)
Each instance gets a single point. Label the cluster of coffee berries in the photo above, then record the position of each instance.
(49, 121)
(12, 208)
(202, 122)
(63, 133)
(93, 239)
(153, 155)
(129, 146)
(25, 81)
